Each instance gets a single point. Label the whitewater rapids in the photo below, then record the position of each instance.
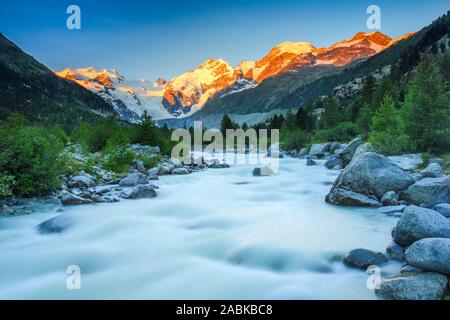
(215, 234)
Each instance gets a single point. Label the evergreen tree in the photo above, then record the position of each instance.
(427, 108)
(332, 114)
(226, 123)
(305, 118)
(364, 120)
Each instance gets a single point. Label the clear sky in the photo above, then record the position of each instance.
(153, 38)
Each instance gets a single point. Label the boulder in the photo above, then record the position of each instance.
(303, 152)
(139, 166)
(390, 198)
(371, 174)
(81, 182)
(432, 254)
(444, 209)
(70, 199)
(407, 162)
(363, 258)
(428, 191)
(335, 146)
(319, 149)
(134, 179)
(97, 199)
(180, 171)
(361, 149)
(219, 166)
(418, 223)
(311, 162)
(346, 155)
(350, 198)
(55, 225)
(165, 169)
(139, 192)
(413, 286)
(433, 170)
(332, 162)
(262, 172)
(395, 251)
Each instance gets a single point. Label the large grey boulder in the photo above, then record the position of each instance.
(371, 174)
(81, 182)
(363, 258)
(413, 286)
(444, 209)
(407, 162)
(361, 149)
(55, 225)
(311, 162)
(134, 179)
(335, 146)
(165, 169)
(139, 166)
(303, 152)
(433, 170)
(428, 191)
(418, 223)
(332, 162)
(431, 254)
(139, 192)
(180, 171)
(350, 198)
(392, 209)
(346, 155)
(69, 199)
(319, 149)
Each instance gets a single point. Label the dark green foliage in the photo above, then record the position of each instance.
(227, 123)
(119, 159)
(332, 115)
(427, 108)
(31, 156)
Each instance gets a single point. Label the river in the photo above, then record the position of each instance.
(215, 234)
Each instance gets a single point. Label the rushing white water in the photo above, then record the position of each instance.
(215, 234)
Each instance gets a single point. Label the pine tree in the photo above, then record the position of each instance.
(332, 114)
(364, 120)
(427, 108)
(226, 123)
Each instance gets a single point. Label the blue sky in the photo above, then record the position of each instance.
(153, 38)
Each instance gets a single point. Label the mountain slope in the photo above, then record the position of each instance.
(129, 98)
(30, 88)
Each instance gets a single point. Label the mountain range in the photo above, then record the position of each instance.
(214, 79)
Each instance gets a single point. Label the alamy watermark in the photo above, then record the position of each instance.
(374, 20)
(374, 279)
(73, 21)
(237, 147)
(73, 281)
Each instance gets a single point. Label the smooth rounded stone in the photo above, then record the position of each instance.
(81, 182)
(219, 166)
(413, 286)
(428, 191)
(337, 167)
(331, 162)
(262, 172)
(410, 269)
(407, 162)
(165, 169)
(350, 198)
(418, 223)
(303, 152)
(431, 254)
(70, 199)
(361, 149)
(97, 199)
(337, 152)
(433, 170)
(133, 179)
(100, 190)
(335, 146)
(55, 225)
(180, 171)
(390, 198)
(346, 155)
(139, 192)
(318, 149)
(372, 174)
(311, 162)
(391, 209)
(444, 209)
(363, 258)
(139, 166)
(395, 251)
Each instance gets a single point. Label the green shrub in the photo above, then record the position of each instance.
(294, 140)
(344, 131)
(32, 156)
(119, 159)
(6, 184)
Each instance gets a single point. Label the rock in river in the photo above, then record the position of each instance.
(413, 286)
(431, 254)
(418, 223)
(444, 209)
(428, 191)
(372, 174)
(261, 172)
(69, 199)
(138, 192)
(363, 258)
(350, 198)
(81, 182)
(134, 179)
(55, 225)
